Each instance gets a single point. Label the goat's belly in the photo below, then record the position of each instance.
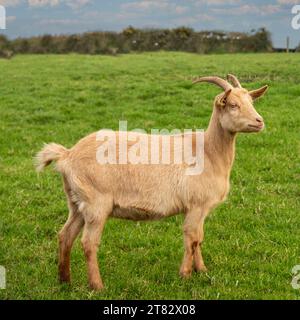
(137, 214)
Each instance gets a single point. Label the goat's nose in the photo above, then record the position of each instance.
(259, 119)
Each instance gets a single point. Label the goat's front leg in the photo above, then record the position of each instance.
(198, 259)
(191, 230)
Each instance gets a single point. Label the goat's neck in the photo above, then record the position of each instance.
(220, 145)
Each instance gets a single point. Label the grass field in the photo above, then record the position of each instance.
(252, 241)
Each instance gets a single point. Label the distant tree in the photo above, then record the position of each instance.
(129, 31)
(183, 32)
(4, 42)
(21, 45)
(262, 40)
(71, 43)
(47, 44)
(5, 48)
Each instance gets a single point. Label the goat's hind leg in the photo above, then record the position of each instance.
(67, 235)
(95, 215)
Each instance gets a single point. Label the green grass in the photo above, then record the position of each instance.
(252, 240)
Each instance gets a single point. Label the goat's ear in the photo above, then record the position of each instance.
(223, 99)
(255, 94)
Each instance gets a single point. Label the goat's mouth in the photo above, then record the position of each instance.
(256, 127)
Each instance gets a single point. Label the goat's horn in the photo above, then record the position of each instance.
(234, 80)
(216, 80)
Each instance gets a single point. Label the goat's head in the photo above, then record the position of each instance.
(235, 105)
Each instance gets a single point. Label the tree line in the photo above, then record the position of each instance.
(141, 40)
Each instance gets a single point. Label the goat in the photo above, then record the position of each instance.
(96, 191)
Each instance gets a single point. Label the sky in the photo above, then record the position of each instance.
(35, 17)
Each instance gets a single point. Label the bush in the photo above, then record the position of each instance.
(131, 39)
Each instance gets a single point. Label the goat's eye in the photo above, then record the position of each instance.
(234, 106)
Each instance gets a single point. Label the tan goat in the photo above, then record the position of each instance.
(96, 191)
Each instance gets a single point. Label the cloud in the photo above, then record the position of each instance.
(145, 5)
(74, 4)
(287, 2)
(150, 6)
(181, 9)
(65, 22)
(216, 2)
(248, 9)
(270, 9)
(42, 3)
(10, 3)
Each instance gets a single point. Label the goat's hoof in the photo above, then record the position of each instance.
(201, 268)
(97, 286)
(65, 279)
(185, 274)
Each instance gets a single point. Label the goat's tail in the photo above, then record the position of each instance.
(50, 152)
